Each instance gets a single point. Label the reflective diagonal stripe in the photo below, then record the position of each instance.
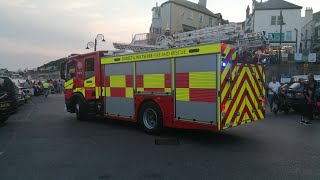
(246, 92)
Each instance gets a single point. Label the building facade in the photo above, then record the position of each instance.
(310, 31)
(182, 16)
(285, 34)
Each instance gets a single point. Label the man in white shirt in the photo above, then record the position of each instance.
(273, 86)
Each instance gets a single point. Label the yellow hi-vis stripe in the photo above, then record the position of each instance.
(182, 94)
(153, 81)
(129, 92)
(91, 82)
(68, 84)
(202, 80)
(118, 81)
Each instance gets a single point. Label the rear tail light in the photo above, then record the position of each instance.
(263, 100)
(223, 107)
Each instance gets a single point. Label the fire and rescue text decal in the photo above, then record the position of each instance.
(191, 51)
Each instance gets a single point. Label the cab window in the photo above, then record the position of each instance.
(71, 70)
(89, 68)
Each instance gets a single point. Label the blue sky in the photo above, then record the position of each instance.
(34, 32)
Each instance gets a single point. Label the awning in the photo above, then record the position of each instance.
(282, 44)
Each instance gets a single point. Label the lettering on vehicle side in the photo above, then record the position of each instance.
(153, 55)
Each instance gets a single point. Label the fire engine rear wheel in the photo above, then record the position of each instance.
(150, 117)
(81, 109)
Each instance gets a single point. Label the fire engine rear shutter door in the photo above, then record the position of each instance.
(119, 89)
(196, 94)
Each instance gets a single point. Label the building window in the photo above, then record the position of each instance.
(289, 36)
(210, 21)
(306, 36)
(190, 14)
(279, 20)
(200, 18)
(273, 20)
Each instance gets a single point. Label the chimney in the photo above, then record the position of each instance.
(248, 12)
(308, 15)
(203, 3)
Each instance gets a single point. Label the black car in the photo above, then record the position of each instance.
(8, 98)
(296, 95)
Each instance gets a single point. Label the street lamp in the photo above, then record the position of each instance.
(281, 24)
(296, 39)
(99, 37)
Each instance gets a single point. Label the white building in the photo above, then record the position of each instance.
(266, 17)
(310, 31)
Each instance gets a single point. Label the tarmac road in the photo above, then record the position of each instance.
(42, 142)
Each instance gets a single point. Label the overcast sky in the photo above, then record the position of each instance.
(34, 32)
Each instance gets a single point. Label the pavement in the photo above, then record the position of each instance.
(42, 141)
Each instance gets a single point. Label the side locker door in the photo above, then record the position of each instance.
(119, 90)
(79, 76)
(89, 78)
(196, 88)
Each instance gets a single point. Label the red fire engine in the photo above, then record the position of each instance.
(209, 87)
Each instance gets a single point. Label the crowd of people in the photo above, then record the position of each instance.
(310, 100)
(36, 87)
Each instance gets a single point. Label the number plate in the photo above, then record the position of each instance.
(4, 105)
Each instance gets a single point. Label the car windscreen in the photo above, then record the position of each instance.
(6, 85)
(296, 87)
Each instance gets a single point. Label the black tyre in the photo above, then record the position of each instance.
(150, 118)
(3, 119)
(275, 111)
(81, 109)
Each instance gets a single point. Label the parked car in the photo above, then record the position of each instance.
(21, 99)
(27, 93)
(8, 98)
(296, 96)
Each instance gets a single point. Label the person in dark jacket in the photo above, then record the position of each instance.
(309, 91)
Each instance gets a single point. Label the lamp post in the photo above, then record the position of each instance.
(281, 24)
(94, 44)
(296, 39)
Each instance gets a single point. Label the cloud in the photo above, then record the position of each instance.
(20, 4)
(73, 6)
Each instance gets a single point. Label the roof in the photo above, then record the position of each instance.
(193, 6)
(316, 16)
(275, 4)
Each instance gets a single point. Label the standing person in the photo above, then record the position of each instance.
(46, 87)
(273, 86)
(309, 91)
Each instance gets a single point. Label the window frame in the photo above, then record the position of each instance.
(274, 20)
(287, 36)
(88, 74)
(71, 75)
(190, 15)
